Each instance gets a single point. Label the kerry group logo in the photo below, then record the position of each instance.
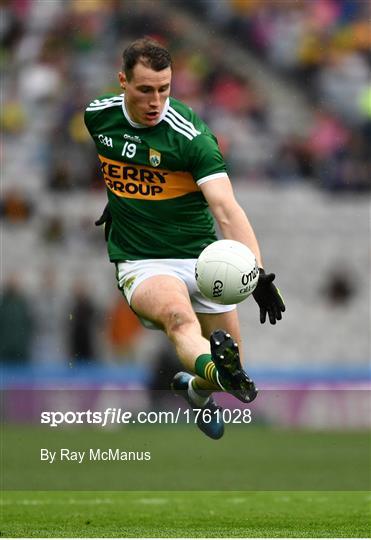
(135, 181)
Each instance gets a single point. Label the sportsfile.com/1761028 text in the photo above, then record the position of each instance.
(113, 415)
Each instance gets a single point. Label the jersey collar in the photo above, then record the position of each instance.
(136, 124)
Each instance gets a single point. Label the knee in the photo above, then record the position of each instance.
(179, 320)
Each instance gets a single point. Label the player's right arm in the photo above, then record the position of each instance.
(229, 215)
(91, 119)
(209, 171)
(235, 225)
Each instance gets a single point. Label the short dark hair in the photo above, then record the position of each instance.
(148, 52)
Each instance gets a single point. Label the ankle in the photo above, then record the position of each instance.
(198, 396)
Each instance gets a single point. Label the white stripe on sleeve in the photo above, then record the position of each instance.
(214, 176)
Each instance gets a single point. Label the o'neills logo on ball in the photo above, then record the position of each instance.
(248, 280)
(217, 288)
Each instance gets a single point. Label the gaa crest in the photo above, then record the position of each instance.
(154, 157)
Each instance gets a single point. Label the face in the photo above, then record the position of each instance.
(146, 93)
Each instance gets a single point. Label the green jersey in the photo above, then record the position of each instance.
(153, 176)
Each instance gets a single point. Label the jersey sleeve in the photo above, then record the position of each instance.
(205, 159)
(88, 122)
(94, 109)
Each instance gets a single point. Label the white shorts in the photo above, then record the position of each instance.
(130, 274)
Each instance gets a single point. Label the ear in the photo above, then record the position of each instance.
(122, 80)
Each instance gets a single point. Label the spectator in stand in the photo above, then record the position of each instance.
(123, 330)
(16, 323)
(53, 232)
(15, 208)
(81, 332)
(338, 289)
(49, 314)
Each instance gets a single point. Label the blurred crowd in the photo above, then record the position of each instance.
(58, 55)
(323, 47)
(45, 327)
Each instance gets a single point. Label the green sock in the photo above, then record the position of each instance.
(205, 368)
(198, 396)
(199, 391)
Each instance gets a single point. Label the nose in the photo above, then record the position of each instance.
(155, 100)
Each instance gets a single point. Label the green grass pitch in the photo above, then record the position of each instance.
(329, 468)
(252, 458)
(185, 514)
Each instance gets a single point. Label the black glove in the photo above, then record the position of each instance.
(106, 220)
(269, 298)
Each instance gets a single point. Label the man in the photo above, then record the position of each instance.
(163, 171)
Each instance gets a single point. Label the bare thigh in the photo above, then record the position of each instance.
(165, 301)
(158, 298)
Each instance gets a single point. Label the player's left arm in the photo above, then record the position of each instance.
(235, 225)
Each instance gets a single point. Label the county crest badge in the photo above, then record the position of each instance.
(154, 157)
